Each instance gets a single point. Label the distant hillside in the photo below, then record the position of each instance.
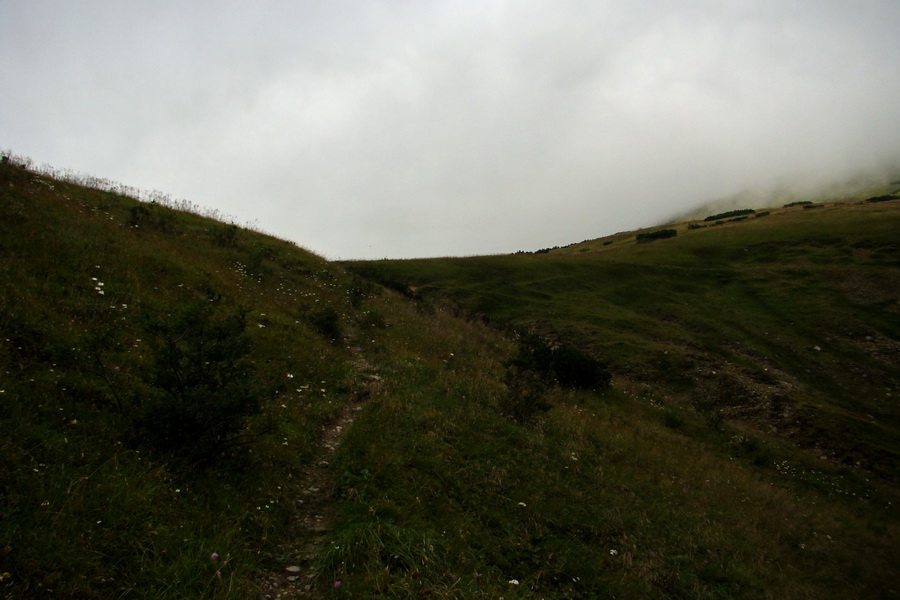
(191, 409)
(796, 307)
(861, 186)
(772, 337)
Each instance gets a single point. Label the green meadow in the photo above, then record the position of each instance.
(709, 414)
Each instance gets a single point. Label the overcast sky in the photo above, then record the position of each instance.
(402, 128)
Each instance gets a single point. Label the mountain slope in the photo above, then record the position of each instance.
(789, 322)
(729, 457)
(116, 480)
(770, 341)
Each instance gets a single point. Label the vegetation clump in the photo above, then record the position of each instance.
(327, 322)
(537, 365)
(562, 364)
(201, 383)
(150, 215)
(225, 235)
(730, 213)
(659, 234)
(885, 198)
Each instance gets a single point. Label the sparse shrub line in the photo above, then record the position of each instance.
(659, 234)
(730, 213)
(885, 198)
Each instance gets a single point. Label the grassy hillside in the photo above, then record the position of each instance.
(103, 492)
(173, 389)
(787, 322)
(757, 369)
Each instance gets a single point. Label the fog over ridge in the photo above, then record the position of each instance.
(399, 129)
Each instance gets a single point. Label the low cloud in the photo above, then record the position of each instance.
(421, 129)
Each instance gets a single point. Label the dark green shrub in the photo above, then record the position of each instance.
(151, 215)
(138, 215)
(730, 213)
(798, 203)
(672, 420)
(576, 369)
(327, 321)
(201, 385)
(881, 198)
(659, 234)
(750, 448)
(565, 365)
(764, 213)
(536, 366)
(225, 235)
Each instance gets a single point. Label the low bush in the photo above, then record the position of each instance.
(327, 321)
(750, 448)
(672, 420)
(201, 385)
(659, 234)
(225, 235)
(537, 366)
(577, 369)
(149, 215)
(138, 215)
(564, 365)
(887, 198)
(730, 213)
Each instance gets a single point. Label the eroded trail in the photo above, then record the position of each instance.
(314, 508)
